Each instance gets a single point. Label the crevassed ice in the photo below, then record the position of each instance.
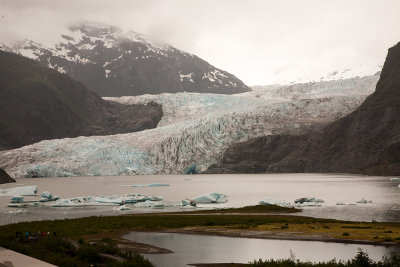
(196, 129)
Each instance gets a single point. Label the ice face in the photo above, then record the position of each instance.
(195, 130)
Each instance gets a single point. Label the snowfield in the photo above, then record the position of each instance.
(196, 129)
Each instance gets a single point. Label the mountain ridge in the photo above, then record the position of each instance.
(114, 63)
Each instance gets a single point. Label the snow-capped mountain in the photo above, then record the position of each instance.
(341, 87)
(195, 129)
(112, 62)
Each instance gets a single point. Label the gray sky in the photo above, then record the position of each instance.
(259, 41)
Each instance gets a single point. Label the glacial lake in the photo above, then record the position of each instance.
(190, 248)
(242, 190)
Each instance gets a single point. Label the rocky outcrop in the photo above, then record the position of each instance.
(256, 155)
(5, 178)
(111, 62)
(37, 103)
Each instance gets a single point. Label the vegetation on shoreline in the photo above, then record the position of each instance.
(85, 230)
(249, 209)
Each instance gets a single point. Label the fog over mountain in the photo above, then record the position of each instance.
(262, 42)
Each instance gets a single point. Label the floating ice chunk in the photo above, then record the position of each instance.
(111, 200)
(15, 212)
(69, 203)
(134, 198)
(150, 204)
(339, 203)
(307, 204)
(17, 199)
(20, 191)
(149, 185)
(122, 208)
(47, 196)
(308, 199)
(269, 201)
(188, 202)
(211, 198)
(24, 205)
(394, 179)
(364, 201)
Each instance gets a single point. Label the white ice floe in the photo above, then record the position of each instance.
(15, 212)
(269, 201)
(135, 198)
(19, 191)
(149, 185)
(85, 201)
(211, 198)
(364, 201)
(122, 208)
(24, 205)
(150, 204)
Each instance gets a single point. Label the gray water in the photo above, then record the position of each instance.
(189, 248)
(243, 190)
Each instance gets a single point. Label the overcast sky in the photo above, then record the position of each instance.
(259, 41)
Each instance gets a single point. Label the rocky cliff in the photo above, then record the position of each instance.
(5, 178)
(37, 103)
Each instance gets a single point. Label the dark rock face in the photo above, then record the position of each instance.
(367, 141)
(255, 155)
(110, 62)
(5, 178)
(37, 103)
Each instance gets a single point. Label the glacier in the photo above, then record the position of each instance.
(195, 130)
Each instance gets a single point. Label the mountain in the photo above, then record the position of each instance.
(5, 178)
(111, 62)
(366, 141)
(196, 129)
(38, 103)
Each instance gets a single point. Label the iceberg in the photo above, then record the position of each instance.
(149, 185)
(211, 198)
(269, 201)
(17, 199)
(134, 198)
(364, 201)
(47, 196)
(19, 191)
(122, 208)
(150, 204)
(24, 205)
(111, 200)
(188, 202)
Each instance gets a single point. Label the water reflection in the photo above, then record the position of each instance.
(215, 249)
